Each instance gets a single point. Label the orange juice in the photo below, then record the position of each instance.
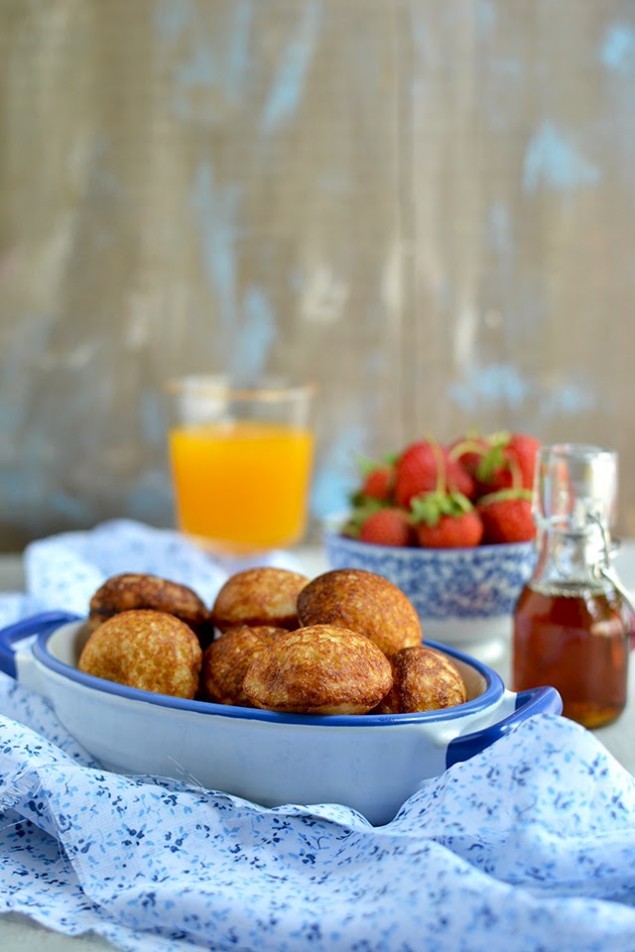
(242, 486)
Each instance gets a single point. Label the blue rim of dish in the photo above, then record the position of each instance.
(494, 691)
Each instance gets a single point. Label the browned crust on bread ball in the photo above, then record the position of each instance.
(131, 590)
(227, 659)
(423, 680)
(137, 590)
(260, 596)
(321, 669)
(146, 649)
(366, 603)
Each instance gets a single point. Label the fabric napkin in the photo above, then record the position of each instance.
(528, 846)
(63, 571)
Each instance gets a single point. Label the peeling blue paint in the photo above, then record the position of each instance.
(553, 162)
(151, 494)
(618, 48)
(288, 85)
(256, 337)
(494, 384)
(238, 55)
(248, 337)
(172, 17)
(226, 68)
(486, 16)
(152, 416)
(502, 385)
(215, 211)
(71, 507)
(14, 488)
(216, 69)
(337, 476)
(199, 70)
(568, 400)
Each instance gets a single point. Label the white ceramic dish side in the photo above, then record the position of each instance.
(372, 763)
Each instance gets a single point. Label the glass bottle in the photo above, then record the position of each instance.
(572, 622)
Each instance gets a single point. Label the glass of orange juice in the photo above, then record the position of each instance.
(241, 462)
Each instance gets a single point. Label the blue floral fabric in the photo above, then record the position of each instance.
(528, 846)
(62, 571)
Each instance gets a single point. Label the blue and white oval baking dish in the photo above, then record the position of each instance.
(370, 762)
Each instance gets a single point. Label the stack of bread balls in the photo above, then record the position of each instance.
(347, 642)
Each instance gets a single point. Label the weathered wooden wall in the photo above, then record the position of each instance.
(427, 207)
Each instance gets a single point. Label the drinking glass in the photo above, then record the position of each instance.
(241, 462)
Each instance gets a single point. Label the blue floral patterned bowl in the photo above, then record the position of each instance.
(462, 596)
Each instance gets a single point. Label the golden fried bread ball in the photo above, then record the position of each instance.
(145, 649)
(423, 680)
(259, 596)
(226, 660)
(321, 669)
(131, 590)
(365, 602)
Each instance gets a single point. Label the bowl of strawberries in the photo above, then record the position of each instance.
(452, 525)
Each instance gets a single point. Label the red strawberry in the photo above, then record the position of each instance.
(378, 482)
(452, 532)
(510, 462)
(420, 469)
(389, 526)
(468, 450)
(460, 480)
(446, 521)
(507, 516)
(363, 507)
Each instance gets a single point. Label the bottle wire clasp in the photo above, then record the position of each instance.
(606, 568)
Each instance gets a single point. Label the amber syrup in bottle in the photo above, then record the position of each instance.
(571, 625)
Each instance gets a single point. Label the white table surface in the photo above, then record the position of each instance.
(19, 933)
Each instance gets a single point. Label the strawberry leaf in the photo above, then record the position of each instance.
(493, 459)
(430, 507)
(363, 507)
(366, 465)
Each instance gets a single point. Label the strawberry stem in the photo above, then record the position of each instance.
(467, 446)
(517, 474)
(441, 468)
(502, 494)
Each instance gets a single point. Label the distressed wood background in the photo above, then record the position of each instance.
(426, 207)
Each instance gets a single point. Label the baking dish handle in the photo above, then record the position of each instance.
(35, 625)
(543, 700)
